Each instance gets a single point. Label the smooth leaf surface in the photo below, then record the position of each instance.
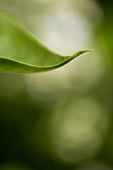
(21, 53)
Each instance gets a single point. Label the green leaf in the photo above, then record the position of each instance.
(21, 53)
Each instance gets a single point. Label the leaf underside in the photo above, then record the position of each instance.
(21, 53)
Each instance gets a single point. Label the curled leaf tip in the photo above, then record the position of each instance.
(21, 53)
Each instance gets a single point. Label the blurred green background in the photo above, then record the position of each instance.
(63, 119)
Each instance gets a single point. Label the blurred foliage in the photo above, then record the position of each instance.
(62, 119)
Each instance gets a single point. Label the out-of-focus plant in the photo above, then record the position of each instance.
(62, 119)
